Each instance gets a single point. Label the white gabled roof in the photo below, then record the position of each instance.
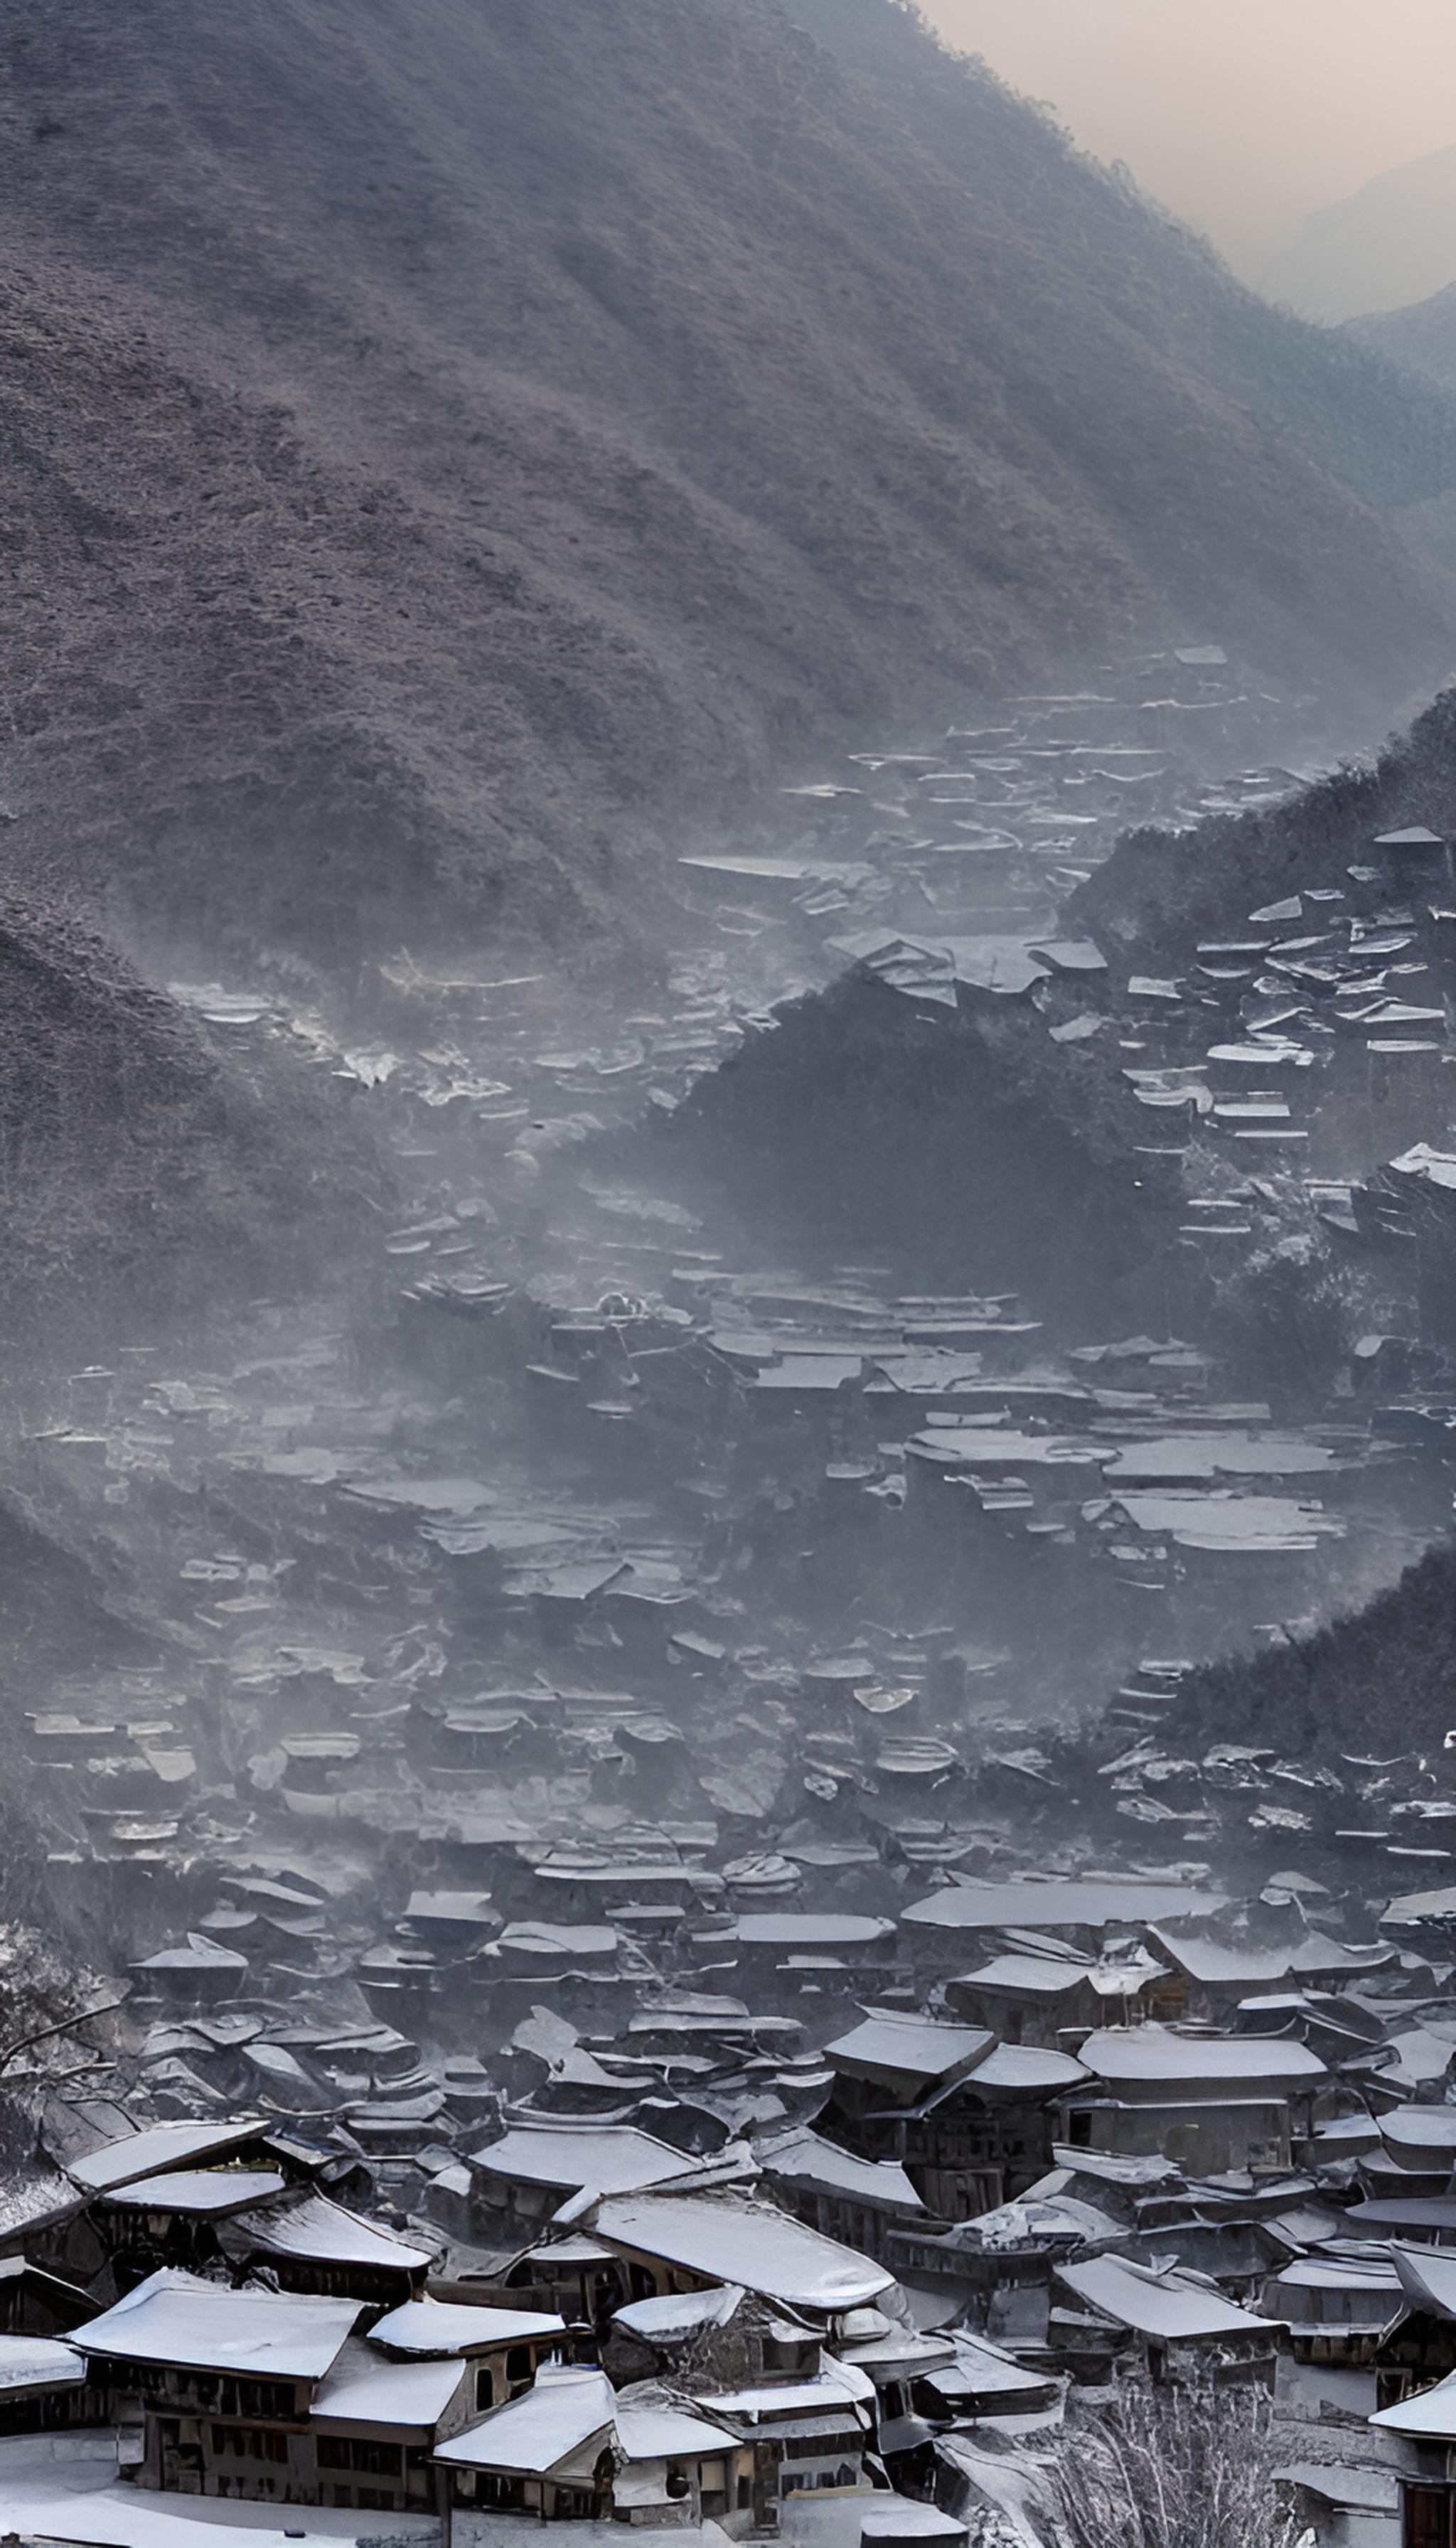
(1430, 2417)
(1059, 1902)
(807, 2157)
(666, 2433)
(565, 2409)
(1169, 2304)
(177, 2317)
(1427, 2277)
(37, 2362)
(323, 2233)
(164, 2146)
(744, 2242)
(898, 2044)
(610, 2158)
(1145, 2054)
(446, 2326)
(199, 2191)
(362, 2388)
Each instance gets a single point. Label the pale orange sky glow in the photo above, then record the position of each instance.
(1241, 115)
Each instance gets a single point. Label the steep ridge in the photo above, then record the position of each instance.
(144, 1168)
(1378, 1680)
(447, 444)
(1422, 337)
(1160, 891)
(1357, 419)
(1383, 246)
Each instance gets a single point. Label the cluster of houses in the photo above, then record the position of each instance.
(1122, 2128)
(634, 2019)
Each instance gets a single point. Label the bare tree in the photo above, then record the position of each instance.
(1176, 2467)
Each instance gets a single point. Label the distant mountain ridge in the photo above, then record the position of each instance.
(1392, 243)
(449, 445)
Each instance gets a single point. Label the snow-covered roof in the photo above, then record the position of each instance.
(1211, 1959)
(836, 2386)
(1028, 2067)
(63, 2489)
(1036, 1976)
(611, 2158)
(199, 2190)
(175, 2317)
(807, 2157)
(364, 2388)
(1170, 2305)
(813, 1929)
(1439, 1905)
(665, 2433)
(1422, 2128)
(1339, 2274)
(164, 2146)
(1139, 2055)
(446, 2326)
(37, 2362)
(1427, 2277)
(680, 2313)
(1059, 1902)
(747, 2244)
(325, 2234)
(895, 2045)
(567, 2408)
(1432, 2416)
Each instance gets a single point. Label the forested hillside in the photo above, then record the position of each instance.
(445, 445)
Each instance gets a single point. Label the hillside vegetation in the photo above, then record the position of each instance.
(1380, 1681)
(141, 1166)
(1160, 891)
(448, 443)
(1422, 337)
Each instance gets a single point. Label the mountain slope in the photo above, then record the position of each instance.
(1392, 243)
(444, 442)
(1161, 891)
(1422, 337)
(141, 1166)
(1355, 418)
(1379, 1680)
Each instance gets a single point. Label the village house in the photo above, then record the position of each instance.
(1115, 2312)
(313, 2246)
(860, 2201)
(672, 2243)
(264, 2395)
(1039, 1990)
(1426, 2420)
(47, 2387)
(1418, 2346)
(1214, 1970)
(572, 2449)
(969, 2118)
(1211, 2102)
(1338, 2309)
(519, 2182)
(504, 2348)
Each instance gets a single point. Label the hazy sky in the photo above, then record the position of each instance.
(1240, 114)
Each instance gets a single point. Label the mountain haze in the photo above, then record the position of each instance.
(446, 446)
(1392, 243)
(1422, 336)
